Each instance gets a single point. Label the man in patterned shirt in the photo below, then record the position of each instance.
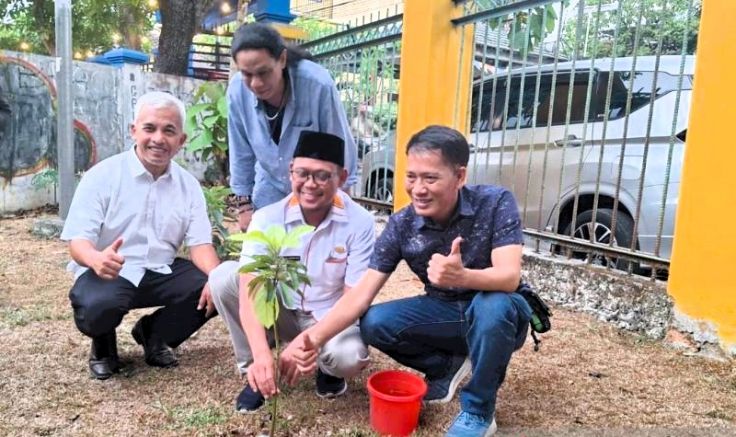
(465, 245)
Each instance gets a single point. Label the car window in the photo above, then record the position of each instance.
(641, 90)
(509, 104)
(481, 116)
(515, 107)
(512, 107)
(557, 111)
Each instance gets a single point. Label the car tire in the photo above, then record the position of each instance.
(381, 188)
(622, 235)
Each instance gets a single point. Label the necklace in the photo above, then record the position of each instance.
(274, 116)
(281, 104)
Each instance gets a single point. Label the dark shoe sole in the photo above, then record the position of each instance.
(247, 412)
(332, 395)
(97, 377)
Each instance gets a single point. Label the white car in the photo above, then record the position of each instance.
(540, 144)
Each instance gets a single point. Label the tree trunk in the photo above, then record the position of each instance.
(180, 20)
(128, 28)
(43, 15)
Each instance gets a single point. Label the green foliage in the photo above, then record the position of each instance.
(374, 82)
(369, 91)
(526, 28)
(11, 317)
(656, 19)
(49, 178)
(216, 199)
(44, 179)
(182, 417)
(94, 24)
(376, 74)
(201, 418)
(276, 277)
(13, 36)
(206, 127)
(314, 27)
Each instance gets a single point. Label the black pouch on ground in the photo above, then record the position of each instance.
(540, 321)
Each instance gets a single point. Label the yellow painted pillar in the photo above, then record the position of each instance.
(435, 55)
(702, 282)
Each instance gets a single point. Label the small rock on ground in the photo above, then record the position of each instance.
(48, 228)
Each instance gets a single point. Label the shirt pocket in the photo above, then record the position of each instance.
(174, 229)
(334, 267)
(302, 121)
(295, 130)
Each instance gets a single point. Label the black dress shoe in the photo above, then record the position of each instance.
(100, 368)
(156, 352)
(103, 357)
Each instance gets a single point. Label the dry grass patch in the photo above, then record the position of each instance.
(588, 378)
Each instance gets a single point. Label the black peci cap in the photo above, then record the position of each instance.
(322, 146)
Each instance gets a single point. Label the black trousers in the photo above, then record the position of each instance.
(100, 304)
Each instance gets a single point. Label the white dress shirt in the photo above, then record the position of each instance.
(336, 253)
(119, 198)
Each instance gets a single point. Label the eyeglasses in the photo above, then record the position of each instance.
(318, 176)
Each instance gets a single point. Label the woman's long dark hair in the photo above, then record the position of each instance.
(256, 36)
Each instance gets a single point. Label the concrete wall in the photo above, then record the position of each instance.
(632, 303)
(629, 302)
(104, 98)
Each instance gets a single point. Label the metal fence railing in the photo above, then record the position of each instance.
(210, 60)
(364, 61)
(581, 109)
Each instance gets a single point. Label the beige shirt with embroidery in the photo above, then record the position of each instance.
(336, 253)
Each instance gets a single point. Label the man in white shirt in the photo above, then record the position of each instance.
(336, 254)
(130, 215)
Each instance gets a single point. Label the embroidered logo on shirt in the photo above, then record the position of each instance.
(338, 254)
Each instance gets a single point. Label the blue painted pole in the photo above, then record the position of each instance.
(272, 11)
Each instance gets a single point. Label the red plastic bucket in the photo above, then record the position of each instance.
(395, 400)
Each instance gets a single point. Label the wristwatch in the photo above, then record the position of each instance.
(243, 203)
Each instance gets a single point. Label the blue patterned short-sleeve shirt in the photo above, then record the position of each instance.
(486, 218)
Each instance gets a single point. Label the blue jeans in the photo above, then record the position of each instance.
(424, 333)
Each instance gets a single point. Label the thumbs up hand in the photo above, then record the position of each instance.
(447, 271)
(108, 262)
(299, 358)
(308, 345)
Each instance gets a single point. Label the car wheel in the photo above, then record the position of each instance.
(603, 234)
(381, 189)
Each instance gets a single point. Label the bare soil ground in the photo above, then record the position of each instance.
(588, 378)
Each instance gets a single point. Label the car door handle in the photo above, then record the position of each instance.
(572, 140)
